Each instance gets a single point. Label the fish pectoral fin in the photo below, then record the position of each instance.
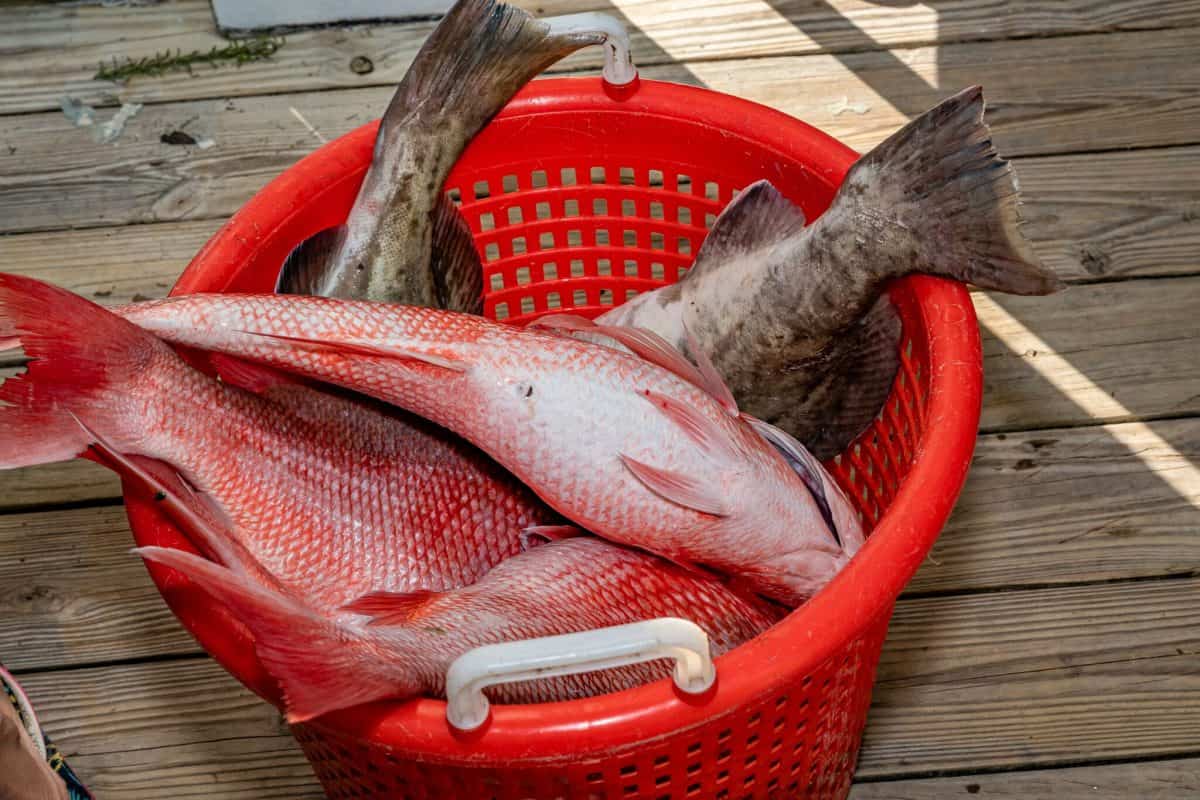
(252, 377)
(678, 488)
(536, 535)
(454, 261)
(713, 383)
(305, 269)
(205, 535)
(803, 463)
(369, 349)
(707, 433)
(757, 218)
(393, 608)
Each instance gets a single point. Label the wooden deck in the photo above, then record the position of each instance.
(1050, 647)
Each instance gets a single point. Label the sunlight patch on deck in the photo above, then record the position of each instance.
(761, 21)
(1138, 437)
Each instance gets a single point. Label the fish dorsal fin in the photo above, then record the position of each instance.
(678, 488)
(305, 268)
(758, 217)
(536, 535)
(393, 608)
(653, 348)
(803, 463)
(252, 377)
(454, 261)
(368, 349)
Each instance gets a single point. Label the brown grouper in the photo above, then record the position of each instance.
(792, 316)
(404, 241)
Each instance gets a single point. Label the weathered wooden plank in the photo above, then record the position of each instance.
(1113, 215)
(161, 731)
(1037, 678)
(1115, 91)
(109, 266)
(70, 482)
(1023, 678)
(1092, 217)
(54, 50)
(1098, 353)
(71, 592)
(1171, 779)
(1073, 505)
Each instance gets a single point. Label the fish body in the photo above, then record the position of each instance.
(792, 316)
(334, 496)
(567, 586)
(621, 446)
(403, 240)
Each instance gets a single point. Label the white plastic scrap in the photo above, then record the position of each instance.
(205, 142)
(109, 131)
(79, 112)
(844, 105)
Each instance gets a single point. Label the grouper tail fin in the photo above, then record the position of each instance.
(476, 59)
(946, 201)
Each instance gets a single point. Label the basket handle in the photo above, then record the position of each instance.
(618, 60)
(604, 648)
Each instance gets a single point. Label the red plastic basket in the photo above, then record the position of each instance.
(579, 198)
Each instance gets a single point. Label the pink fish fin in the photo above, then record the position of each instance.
(9, 343)
(641, 342)
(252, 377)
(320, 665)
(810, 471)
(651, 347)
(393, 608)
(219, 543)
(713, 383)
(563, 322)
(678, 488)
(707, 433)
(367, 349)
(81, 357)
(536, 535)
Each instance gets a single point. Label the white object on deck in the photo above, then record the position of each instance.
(252, 14)
(669, 637)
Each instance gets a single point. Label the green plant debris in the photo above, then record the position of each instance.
(239, 52)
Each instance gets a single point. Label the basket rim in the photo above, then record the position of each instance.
(861, 594)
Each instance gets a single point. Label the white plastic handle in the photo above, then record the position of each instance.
(549, 656)
(618, 60)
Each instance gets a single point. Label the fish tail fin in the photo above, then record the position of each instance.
(320, 666)
(947, 201)
(82, 360)
(477, 58)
